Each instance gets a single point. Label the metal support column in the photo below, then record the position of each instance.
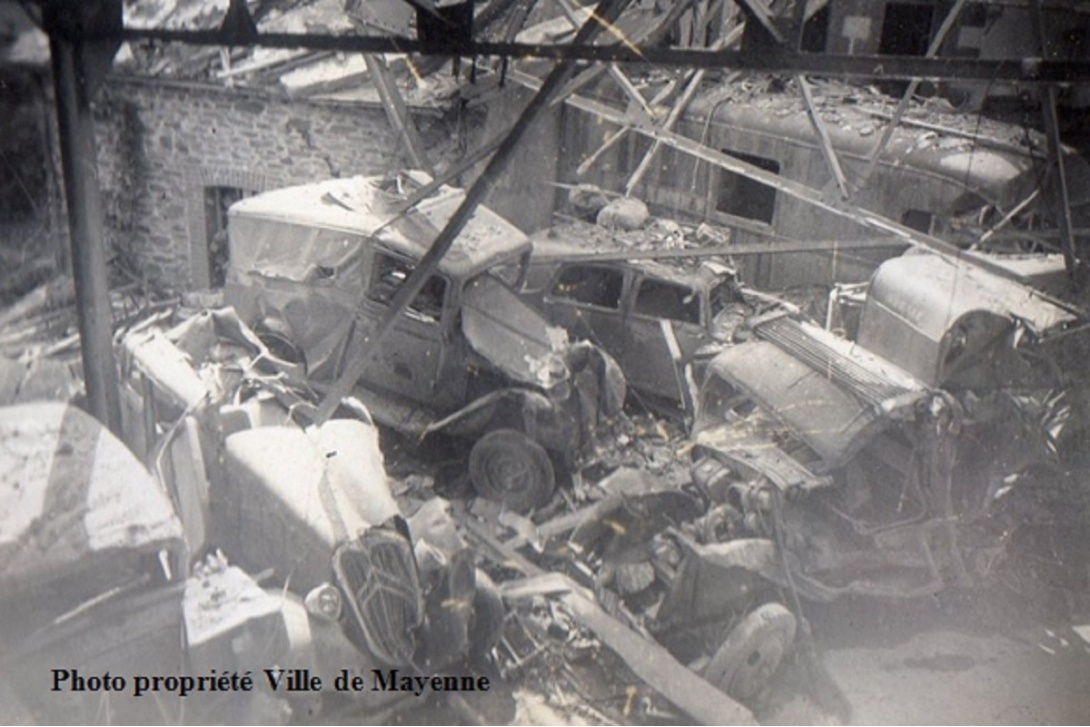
(80, 161)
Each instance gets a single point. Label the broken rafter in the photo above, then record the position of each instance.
(981, 140)
(649, 35)
(682, 103)
(646, 658)
(740, 250)
(572, 13)
(398, 113)
(617, 135)
(1010, 215)
(825, 142)
(764, 16)
(1055, 153)
(1067, 239)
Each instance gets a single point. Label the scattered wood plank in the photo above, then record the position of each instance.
(646, 658)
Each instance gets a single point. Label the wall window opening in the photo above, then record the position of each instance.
(216, 202)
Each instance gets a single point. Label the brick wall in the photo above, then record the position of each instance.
(161, 144)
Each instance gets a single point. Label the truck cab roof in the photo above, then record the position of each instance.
(370, 206)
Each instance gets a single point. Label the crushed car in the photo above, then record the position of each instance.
(97, 595)
(308, 507)
(858, 475)
(661, 320)
(824, 467)
(314, 267)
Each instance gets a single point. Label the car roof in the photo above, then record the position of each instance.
(580, 242)
(368, 206)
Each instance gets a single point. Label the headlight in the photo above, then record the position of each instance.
(324, 601)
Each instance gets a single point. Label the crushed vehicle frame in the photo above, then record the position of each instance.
(309, 507)
(853, 475)
(660, 320)
(820, 470)
(315, 266)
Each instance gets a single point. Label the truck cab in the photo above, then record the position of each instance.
(877, 463)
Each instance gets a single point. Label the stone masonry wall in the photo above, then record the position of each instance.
(162, 144)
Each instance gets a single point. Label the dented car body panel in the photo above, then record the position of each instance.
(75, 500)
(653, 318)
(970, 312)
(96, 583)
(310, 507)
(295, 495)
(324, 258)
(319, 265)
(507, 332)
(869, 479)
(832, 395)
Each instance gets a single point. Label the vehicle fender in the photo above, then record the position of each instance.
(528, 411)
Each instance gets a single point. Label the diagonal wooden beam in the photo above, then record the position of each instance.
(1055, 148)
(827, 150)
(671, 120)
(798, 190)
(364, 349)
(906, 97)
(650, 34)
(618, 134)
(398, 113)
(764, 17)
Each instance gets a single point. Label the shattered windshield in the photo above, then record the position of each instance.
(509, 272)
(296, 252)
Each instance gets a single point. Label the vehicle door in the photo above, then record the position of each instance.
(663, 331)
(409, 361)
(586, 299)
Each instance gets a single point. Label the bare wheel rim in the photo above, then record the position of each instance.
(507, 466)
(745, 662)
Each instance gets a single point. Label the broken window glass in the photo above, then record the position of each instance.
(591, 285)
(389, 275)
(660, 299)
(301, 253)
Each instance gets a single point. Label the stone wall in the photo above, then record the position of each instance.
(163, 145)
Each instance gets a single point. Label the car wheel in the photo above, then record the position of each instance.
(507, 466)
(749, 656)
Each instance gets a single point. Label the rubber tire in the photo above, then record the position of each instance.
(507, 466)
(750, 655)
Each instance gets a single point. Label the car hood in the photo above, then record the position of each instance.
(834, 418)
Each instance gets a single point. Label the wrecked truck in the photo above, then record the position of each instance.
(314, 267)
(825, 467)
(222, 419)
